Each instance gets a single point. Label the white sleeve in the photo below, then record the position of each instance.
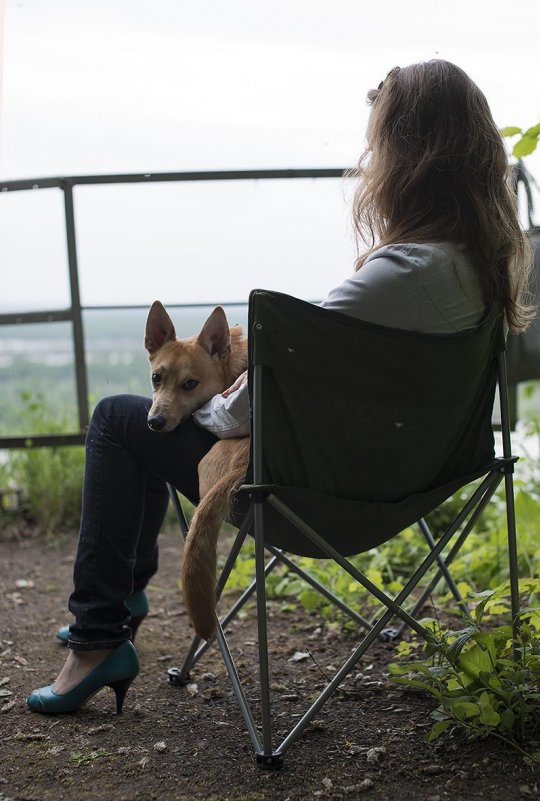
(226, 417)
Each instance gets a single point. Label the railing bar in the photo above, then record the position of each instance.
(41, 440)
(157, 177)
(48, 316)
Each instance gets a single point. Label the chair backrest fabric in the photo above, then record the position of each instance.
(366, 428)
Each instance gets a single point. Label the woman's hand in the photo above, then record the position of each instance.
(238, 384)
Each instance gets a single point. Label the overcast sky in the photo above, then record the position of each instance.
(95, 86)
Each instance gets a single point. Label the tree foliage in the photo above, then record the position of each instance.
(527, 142)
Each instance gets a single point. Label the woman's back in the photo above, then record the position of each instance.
(429, 287)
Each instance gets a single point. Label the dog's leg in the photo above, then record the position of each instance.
(221, 470)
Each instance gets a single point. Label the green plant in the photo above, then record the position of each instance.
(79, 758)
(51, 478)
(486, 680)
(528, 141)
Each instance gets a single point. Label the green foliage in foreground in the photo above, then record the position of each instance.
(485, 681)
(50, 478)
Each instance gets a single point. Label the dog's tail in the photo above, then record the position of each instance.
(200, 553)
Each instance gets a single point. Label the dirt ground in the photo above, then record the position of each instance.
(368, 742)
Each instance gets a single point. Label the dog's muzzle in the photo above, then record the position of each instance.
(156, 422)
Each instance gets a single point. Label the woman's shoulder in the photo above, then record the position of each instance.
(426, 264)
(419, 254)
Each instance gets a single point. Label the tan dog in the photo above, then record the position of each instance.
(186, 373)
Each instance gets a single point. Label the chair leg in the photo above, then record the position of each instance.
(265, 756)
(512, 556)
(491, 486)
(428, 536)
(180, 516)
(238, 690)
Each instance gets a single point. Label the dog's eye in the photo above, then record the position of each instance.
(156, 378)
(190, 384)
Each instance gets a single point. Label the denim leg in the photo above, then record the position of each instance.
(124, 502)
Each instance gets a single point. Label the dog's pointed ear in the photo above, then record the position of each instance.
(159, 328)
(215, 337)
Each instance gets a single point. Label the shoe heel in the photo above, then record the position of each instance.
(134, 623)
(120, 689)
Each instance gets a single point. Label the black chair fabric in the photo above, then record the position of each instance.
(365, 428)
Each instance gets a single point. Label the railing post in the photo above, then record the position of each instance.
(81, 376)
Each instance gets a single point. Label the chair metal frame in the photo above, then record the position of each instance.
(271, 756)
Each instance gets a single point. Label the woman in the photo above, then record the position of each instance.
(435, 210)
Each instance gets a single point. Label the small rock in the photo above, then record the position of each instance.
(349, 789)
(100, 729)
(21, 735)
(3, 681)
(8, 706)
(144, 762)
(55, 750)
(160, 747)
(327, 783)
(431, 770)
(15, 597)
(193, 689)
(299, 656)
(375, 754)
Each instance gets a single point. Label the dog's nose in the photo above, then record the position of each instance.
(156, 422)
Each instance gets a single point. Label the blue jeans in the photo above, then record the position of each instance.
(124, 502)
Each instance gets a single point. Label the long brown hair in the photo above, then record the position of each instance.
(435, 169)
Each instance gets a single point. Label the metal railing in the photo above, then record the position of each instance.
(74, 313)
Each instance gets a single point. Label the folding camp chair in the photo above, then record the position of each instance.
(358, 431)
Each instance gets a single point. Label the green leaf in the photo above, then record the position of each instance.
(525, 146)
(534, 131)
(398, 670)
(474, 661)
(507, 720)
(438, 729)
(420, 685)
(488, 714)
(310, 600)
(465, 709)
(457, 646)
(510, 130)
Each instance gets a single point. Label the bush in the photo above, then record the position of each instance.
(486, 681)
(50, 478)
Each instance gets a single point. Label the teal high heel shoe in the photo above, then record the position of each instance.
(116, 671)
(138, 606)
